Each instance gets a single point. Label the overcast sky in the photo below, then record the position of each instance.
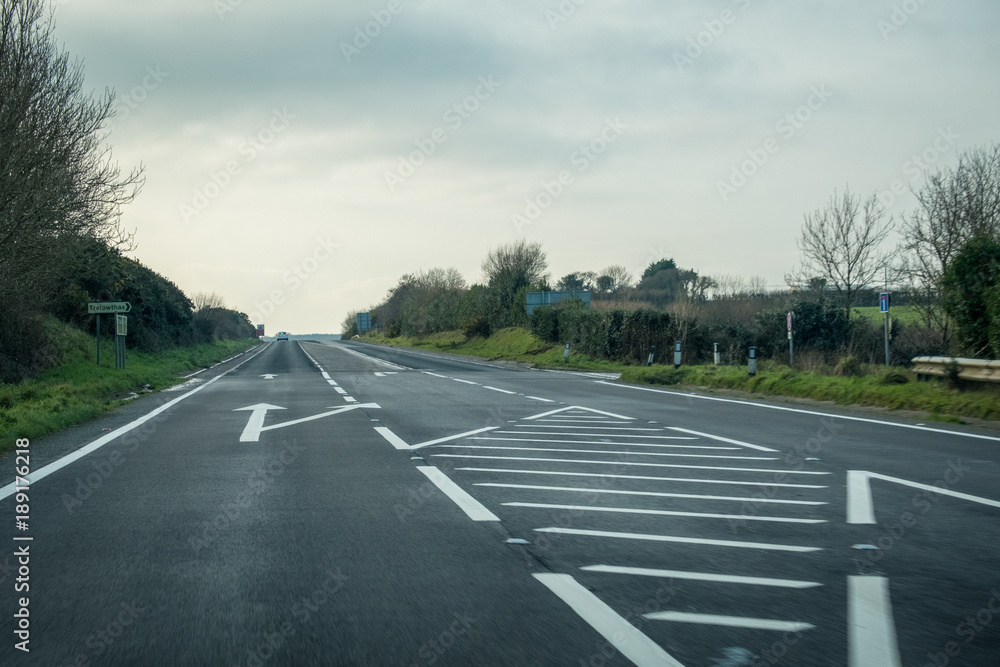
(298, 166)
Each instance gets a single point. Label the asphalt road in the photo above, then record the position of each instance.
(344, 504)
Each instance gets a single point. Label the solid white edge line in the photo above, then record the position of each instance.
(61, 463)
(805, 412)
(701, 576)
(721, 439)
(391, 437)
(453, 437)
(472, 507)
(871, 631)
(383, 362)
(859, 498)
(621, 634)
(729, 621)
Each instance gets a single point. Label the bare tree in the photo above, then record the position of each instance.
(205, 301)
(841, 244)
(57, 179)
(509, 270)
(613, 279)
(954, 206)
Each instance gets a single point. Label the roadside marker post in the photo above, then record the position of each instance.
(715, 353)
(677, 354)
(652, 351)
(791, 349)
(883, 305)
(566, 353)
(752, 363)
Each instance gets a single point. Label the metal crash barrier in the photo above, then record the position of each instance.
(977, 370)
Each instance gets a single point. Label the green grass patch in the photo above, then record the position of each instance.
(79, 390)
(902, 314)
(895, 388)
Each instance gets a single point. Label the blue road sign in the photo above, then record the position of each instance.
(883, 302)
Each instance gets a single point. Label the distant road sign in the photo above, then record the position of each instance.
(883, 302)
(364, 322)
(121, 325)
(100, 307)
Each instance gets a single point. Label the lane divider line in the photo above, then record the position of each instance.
(702, 576)
(621, 634)
(391, 437)
(472, 507)
(871, 631)
(730, 621)
(678, 540)
(693, 515)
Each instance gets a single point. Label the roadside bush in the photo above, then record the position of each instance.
(477, 327)
(892, 376)
(545, 324)
(849, 366)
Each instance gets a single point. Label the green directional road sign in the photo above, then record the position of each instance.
(101, 307)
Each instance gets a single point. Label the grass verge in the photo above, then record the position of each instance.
(897, 390)
(80, 390)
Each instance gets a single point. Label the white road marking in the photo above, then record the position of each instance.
(611, 435)
(859, 498)
(350, 400)
(576, 407)
(646, 477)
(335, 411)
(581, 420)
(693, 515)
(871, 631)
(326, 376)
(376, 360)
(679, 540)
(621, 634)
(380, 375)
(807, 412)
(628, 463)
(251, 432)
(452, 437)
(721, 439)
(472, 507)
(341, 391)
(435, 375)
(730, 621)
(539, 398)
(393, 439)
(603, 428)
(599, 451)
(61, 463)
(702, 576)
(654, 494)
(332, 383)
(604, 442)
(465, 381)
(502, 391)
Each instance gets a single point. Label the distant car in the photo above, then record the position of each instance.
(282, 335)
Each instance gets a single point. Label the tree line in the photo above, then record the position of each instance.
(946, 268)
(61, 197)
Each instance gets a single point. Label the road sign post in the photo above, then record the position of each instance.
(677, 354)
(121, 330)
(104, 307)
(791, 345)
(883, 305)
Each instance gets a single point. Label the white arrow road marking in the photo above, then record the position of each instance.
(255, 426)
(252, 430)
(269, 376)
(860, 508)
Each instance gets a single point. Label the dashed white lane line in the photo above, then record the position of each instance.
(692, 515)
(340, 390)
(621, 634)
(730, 621)
(332, 383)
(678, 539)
(472, 507)
(350, 400)
(599, 451)
(702, 576)
(629, 463)
(445, 377)
(393, 439)
(871, 631)
(465, 381)
(783, 485)
(539, 398)
(326, 376)
(502, 391)
(651, 494)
